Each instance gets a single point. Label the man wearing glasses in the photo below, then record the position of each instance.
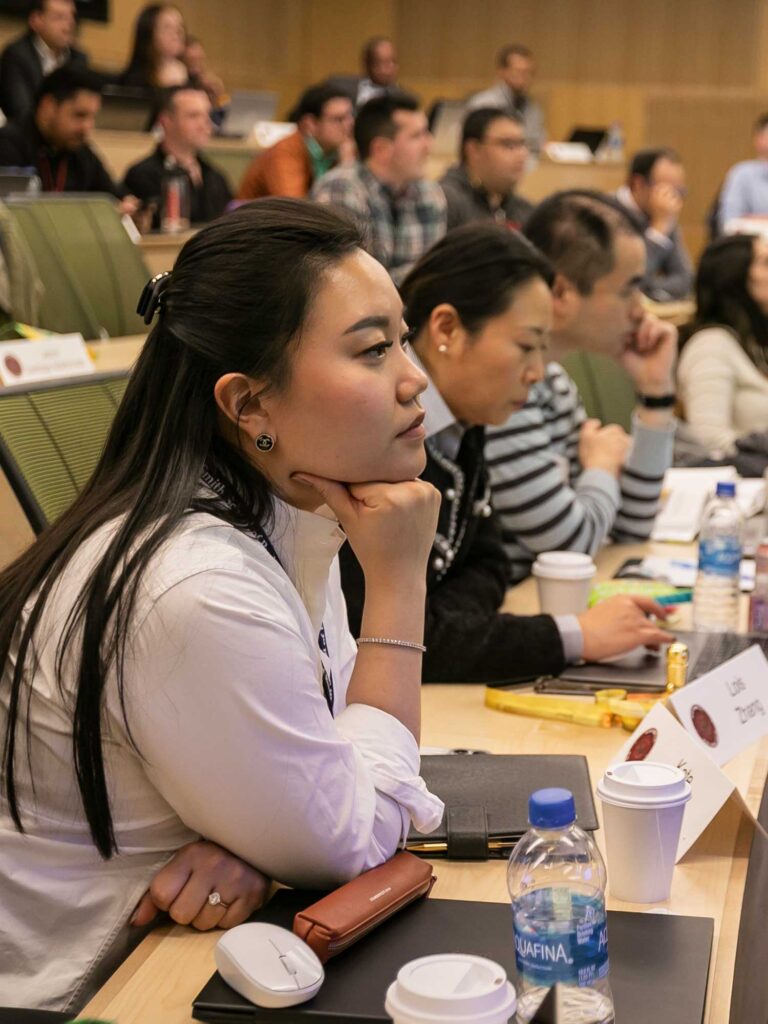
(482, 186)
(655, 192)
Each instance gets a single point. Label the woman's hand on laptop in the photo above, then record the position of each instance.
(619, 624)
(182, 886)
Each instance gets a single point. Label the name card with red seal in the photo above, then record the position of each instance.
(53, 357)
(726, 710)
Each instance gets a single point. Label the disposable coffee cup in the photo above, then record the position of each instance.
(451, 988)
(643, 807)
(564, 579)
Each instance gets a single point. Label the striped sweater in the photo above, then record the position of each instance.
(543, 497)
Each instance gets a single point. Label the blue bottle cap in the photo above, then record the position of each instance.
(551, 808)
(726, 489)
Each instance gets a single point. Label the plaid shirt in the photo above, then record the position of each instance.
(400, 226)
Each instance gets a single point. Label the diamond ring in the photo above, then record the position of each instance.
(215, 900)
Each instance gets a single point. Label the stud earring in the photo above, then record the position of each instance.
(442, 348)
(265, 442)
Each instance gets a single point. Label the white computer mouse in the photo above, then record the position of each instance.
(268, 965)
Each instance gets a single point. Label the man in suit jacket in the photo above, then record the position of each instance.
(655, 192)
(46, 46)
(516, 69)
(379, 78)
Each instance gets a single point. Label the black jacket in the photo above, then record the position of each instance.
(144, 180)
(21, 72)
(76, 170)
(467, 204)
(467, 638)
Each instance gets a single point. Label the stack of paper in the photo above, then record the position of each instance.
(685, 492)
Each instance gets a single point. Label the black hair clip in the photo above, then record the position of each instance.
(151, 297)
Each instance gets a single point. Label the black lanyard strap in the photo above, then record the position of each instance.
(224, 492)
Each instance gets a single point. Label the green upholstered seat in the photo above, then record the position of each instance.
(606, 389)
(91, 270)
(233, 163)
(51, 438)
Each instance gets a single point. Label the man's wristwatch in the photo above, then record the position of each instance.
(657, 401)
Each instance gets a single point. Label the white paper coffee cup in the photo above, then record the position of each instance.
(564, 579)
(451, 988)
(643, 807)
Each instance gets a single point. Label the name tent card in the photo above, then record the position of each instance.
(660, 737)
(50, 358)
(726, 710)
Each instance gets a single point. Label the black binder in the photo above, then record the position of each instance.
(486, 800)
(659, 963)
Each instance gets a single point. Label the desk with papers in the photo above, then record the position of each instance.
(162, 977)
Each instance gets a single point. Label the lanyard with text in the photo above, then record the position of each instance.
(220, 488)
(46, 172)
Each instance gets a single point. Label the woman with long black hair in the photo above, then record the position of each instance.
(723, 368)
(157, 54)
(175, 659)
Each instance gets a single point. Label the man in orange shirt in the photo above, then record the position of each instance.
(323, 138)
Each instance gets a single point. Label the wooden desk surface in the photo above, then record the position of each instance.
(116, 353)
(159, 981)
(160, 250)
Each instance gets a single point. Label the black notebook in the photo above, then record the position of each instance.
(659, 963)
(486, 800)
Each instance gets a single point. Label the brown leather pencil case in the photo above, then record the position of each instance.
(345, 915)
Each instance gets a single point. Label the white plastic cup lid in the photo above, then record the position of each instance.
(644, 784)
(563, 565)
(451, 987)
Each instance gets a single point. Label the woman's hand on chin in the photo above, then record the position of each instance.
(391, 527)
(182, 886)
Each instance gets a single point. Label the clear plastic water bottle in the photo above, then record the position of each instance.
(556, 879)
(716, 594)
(758, 602)
(615, 146)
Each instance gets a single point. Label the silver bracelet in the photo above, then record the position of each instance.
(391, 643)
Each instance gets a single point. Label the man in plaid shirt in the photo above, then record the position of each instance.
(386, 190)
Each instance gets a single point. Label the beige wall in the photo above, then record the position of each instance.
(691, 73)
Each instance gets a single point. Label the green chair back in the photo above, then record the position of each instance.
(606, 389)
(51, 438)
(92, 271)
(233, 163)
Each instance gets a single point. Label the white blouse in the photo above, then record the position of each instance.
(724, 394)
(237, 744)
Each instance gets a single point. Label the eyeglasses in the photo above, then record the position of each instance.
(682, 191)
(509, 144)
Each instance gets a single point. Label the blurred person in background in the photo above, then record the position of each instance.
(655, 192)
(157, 56)
(323, 138)
(723, 370)
(386, 190)
(482, 186)
(745, 190)
(54, 137)
(185, 119)
(516, 70)
(380, 70)
(47, 44)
